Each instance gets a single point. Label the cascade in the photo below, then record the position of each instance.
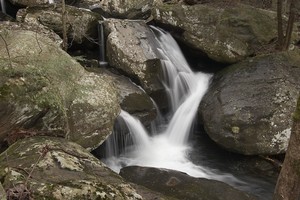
(3, 6)
(166, 146)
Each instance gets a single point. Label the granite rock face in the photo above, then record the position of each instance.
(132, 49)
(226, 35)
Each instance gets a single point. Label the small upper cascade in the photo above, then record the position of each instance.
(3, 6)
(101, 43)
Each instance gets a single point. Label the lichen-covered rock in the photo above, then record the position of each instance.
(59, 170)
(43, 91)
(226, 35)
(131, 48)
(128, 9)
(92, 113)
(248, 107)
(81, 24)
(5, 17)
(182, 186)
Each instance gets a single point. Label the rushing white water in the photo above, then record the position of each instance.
(168, 148)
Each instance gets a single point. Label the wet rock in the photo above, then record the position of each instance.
(248, 107)
(43, 91)
(131, 48)
(81, 24)
(59, 170)
(133, 99)
(4, 17)
(133, 9)
(26, 3)
(226, 35)
(182, 186)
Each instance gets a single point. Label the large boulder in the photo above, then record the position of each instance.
(226, 35)
(248, 106)
(44, 91)
(53, 168)
(128, 9)
(81, 24)
(131, 48)
(179, 185)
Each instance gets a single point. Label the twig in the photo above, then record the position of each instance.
(36, 38)
(276, 163)
(7, 50)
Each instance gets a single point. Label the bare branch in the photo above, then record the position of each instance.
(7, 50)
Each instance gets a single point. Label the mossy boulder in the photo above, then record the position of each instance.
(81, 24)
(131, 48)
(44, 91)
(129, 9)
(226, 35)
(248, 107)
(54, 168)
(179, 185)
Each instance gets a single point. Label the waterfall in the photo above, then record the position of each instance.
(3, 6)
(168, 147)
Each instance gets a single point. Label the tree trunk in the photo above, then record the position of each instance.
(289, 29)
(274, 5)
(64, 26)
(279, 25)
(288, 183)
